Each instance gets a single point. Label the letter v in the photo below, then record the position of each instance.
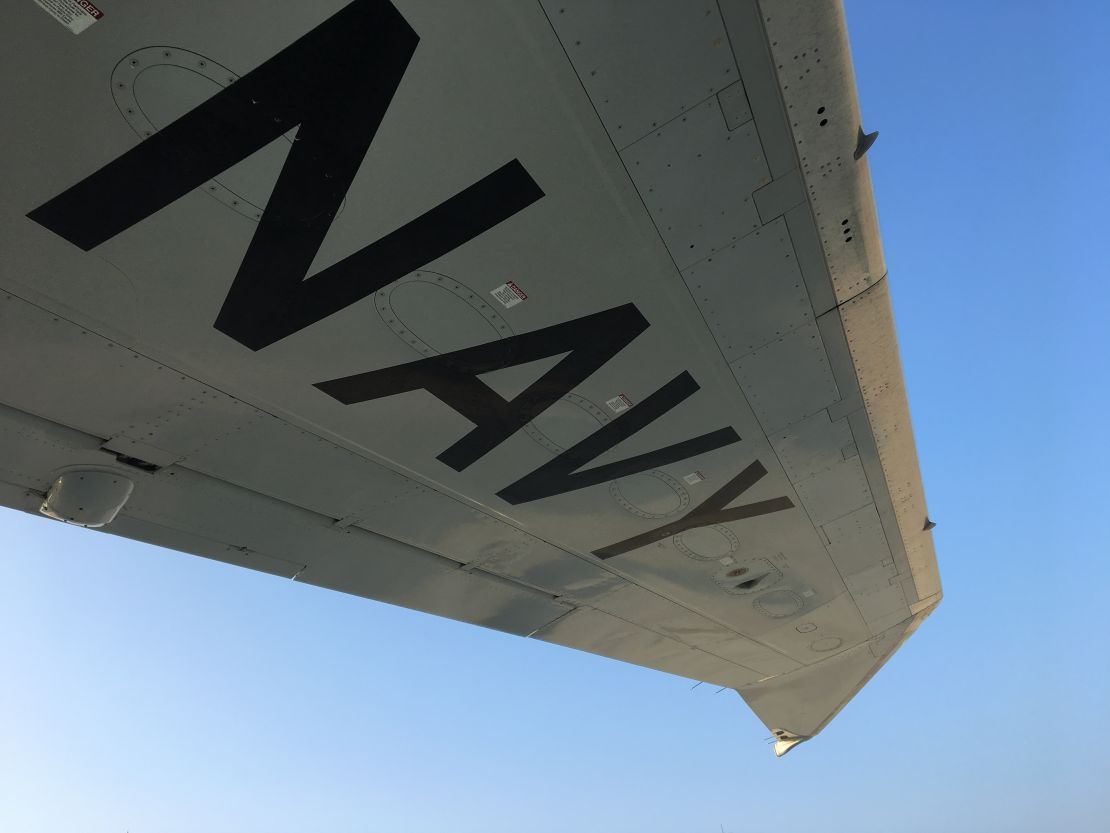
(565, 472)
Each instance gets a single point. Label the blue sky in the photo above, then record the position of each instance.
(146, 690)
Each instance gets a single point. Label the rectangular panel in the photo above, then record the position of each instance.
(643, 63)
(813, 445)
(857, 541)
(761, 265)
(787, 379)
(601, 633)
(696, 178)
(734, 105)
(838, 490)
(541, 565)
(389, 571)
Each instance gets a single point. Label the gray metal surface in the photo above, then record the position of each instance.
(672, 178)
(728, 164)
(643, 64)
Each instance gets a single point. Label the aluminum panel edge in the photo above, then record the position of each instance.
(806, 43)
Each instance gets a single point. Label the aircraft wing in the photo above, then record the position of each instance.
(566, 318)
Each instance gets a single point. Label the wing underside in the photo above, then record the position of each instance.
(565, 319)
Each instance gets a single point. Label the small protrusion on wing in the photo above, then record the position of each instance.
(785, 741)
(864, 141)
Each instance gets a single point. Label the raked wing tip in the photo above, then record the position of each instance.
(785, 741)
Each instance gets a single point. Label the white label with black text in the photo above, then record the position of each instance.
(619, 403)
(75, 15)
(509, 294)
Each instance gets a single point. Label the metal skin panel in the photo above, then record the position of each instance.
(600, 633)
(780, 400)
(762, 265)
(734, 105)
(178, 508)
(822, 631)
(836, 491)
(813, 445)
(776, 198)
(867, 320)
(809, 45)
(220, 275)
(634, 604)
(677, 53)
(728, 163)
(804, 701)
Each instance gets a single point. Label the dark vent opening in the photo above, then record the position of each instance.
(136, 463)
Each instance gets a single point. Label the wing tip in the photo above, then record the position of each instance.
(785, 741)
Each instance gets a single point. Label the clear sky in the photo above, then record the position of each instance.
(146, 690)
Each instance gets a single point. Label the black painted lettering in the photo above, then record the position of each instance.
(452, 378)
(565, 473)
(711, 511)
(334, 85)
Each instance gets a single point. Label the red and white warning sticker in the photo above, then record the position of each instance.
(619, 403)
(509, 294)
(75, 15)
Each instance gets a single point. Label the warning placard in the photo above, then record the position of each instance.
(75, 15)
(619, 403)
(509, 294)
